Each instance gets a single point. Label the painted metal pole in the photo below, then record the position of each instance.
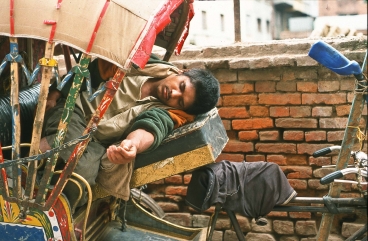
(63, 126)
(39, 118)
(111, 88)
(14, 78)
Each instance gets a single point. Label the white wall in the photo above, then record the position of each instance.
(214, 35)
(250, 11)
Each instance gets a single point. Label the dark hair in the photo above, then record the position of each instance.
(207, 90)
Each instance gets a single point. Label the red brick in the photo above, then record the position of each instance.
(187, 178)
(219, 102)
(258, 111)
(239, 100)
(296, 123)
(333, 123)
(233, 112)
(298, 184)
(322, 111)
(307, 86)
(350, 195)
(275, 214)
(288, 75)
(305, 74)
(276, 147)
(232, 135)
(321, 172)
(254, 158)
(269, 135)
(300, 160)
(310, 148)
(293, 135)
(265, 86)
(335, 136)
(236, 88)
(319, 161)
(238, 146)
(343, 110)
(176, 190)
(222, 223)
(225, 75)
(297, 172)
(175, 179)
(227, 124)
(260, 63)
(315, 184)
(279, 111)
(289, 86)
(328, 86)
(334, 159)
(328, 99)
(247, 135)
(183, 219)
(230, 157)
(300, 111)
(280, 99)
(300, 215)
(258, 74)
(278, 159)
(168, 206)
(350, 97)
(348, 85)
(162, 181)
(315, 136)
(250, 124)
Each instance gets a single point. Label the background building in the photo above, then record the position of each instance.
(263, 20)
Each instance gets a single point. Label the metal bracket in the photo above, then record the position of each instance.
(48, 62)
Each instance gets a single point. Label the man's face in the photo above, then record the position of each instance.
(176, 91)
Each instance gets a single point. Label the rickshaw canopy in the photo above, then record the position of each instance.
(108, 29)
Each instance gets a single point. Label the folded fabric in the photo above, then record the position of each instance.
(251, 189)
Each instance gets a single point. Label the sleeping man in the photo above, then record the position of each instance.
(148, 105)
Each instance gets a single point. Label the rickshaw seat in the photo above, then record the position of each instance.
(186, 148)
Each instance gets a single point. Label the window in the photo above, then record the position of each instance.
(259, 25)
(204, 20)
(222, 22)
(268, 26)
(248, 21)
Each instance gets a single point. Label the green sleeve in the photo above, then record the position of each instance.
(156, 121)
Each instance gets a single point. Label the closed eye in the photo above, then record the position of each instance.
(182, 86)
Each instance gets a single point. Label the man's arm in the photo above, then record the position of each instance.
(146, 134)
(52, 98)
(135, 143)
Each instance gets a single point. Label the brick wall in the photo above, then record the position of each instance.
(342, 7)
(277, 105)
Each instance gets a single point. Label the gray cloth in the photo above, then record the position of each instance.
(89, 162)
(251, 189)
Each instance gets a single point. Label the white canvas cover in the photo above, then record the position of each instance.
(120, 28)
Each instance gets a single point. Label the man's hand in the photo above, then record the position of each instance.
(124, 153)
(52, 98)
(136, 142)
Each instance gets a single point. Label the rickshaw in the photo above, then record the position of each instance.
(33, 36)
